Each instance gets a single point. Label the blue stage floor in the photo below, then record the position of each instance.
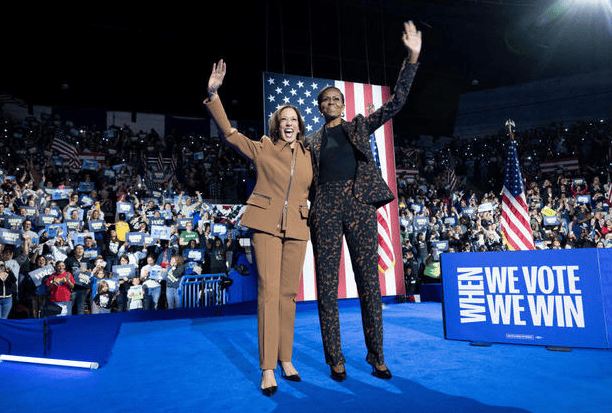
(210, 365)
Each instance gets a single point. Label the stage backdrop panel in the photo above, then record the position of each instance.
(542, 297)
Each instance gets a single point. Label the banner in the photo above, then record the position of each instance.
(549, 297)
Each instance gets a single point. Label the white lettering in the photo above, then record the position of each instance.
(546, 279)
(541, 307)
(572, 279)
(573, 311)
(530, 279)
(517, 310)
(512, 279)
(496, 279)
(560, 284)
(500, 306)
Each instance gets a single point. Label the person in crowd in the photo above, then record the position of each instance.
(277, 211)
(77, 264)
(60, 286)
(41, 293)
(175, 272)
(188, 235)
(348, 190)
(8, 287)
(153, 286)
(217, 254)
(103, 300)
(136, 295)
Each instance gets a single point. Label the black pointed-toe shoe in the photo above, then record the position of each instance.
(268, 391)
(293, 377)
(338, 376)
(381, 374)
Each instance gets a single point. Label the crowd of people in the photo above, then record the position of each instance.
(568, 207)
(64, 228)
(78, 239)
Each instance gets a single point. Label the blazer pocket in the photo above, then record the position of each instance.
(304, 211)
(259, 200)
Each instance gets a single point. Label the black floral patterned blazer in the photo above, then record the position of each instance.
(369, 186)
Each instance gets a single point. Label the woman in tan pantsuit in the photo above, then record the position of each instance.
(277, 211)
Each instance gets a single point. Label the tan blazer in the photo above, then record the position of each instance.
(278, 204)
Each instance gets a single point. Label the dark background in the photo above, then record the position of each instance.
(158, 58)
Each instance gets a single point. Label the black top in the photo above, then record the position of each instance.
(338, 161)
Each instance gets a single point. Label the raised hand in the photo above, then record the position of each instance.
(216, 77)
(412, 40)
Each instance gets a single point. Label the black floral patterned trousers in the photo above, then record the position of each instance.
(336, 212)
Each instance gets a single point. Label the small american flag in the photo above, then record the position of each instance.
(515, 223)
(66, 151)
(301, 92)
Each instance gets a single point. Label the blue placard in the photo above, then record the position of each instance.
(44, 220)
(156, 272)
(583, 199)
(11, 237)
(550, 221)
(72, 224)
(161, 232)
(57, 230)
(136, 238)
(108, 173)
(160, 222)
(469, 211)
(13, 221)
(440, 246)
(182, 222)
(89, 164)
(86, 186)
(97, 226)
(30, 211)
(78, 238)
(58, 194)
(127, 208)
(416, 208)
(219, 230)
(124, 271)
(86, 200)
(547, 297)
(194, 255)
(420, 223)
(450, 220)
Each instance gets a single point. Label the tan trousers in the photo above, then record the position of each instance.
(279, 264)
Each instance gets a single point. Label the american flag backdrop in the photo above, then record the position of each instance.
(280, 89)
(515, 215)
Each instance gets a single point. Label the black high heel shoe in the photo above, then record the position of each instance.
(381, 374)
(293, 377)
(268, 391)
(337, 376)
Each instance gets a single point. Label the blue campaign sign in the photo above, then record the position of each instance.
(548, 297)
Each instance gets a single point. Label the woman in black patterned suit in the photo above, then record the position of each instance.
(348, 188)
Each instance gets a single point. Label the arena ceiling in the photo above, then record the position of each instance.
(158, 58)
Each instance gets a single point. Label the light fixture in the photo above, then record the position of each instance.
(56, 362)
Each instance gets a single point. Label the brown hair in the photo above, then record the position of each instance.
(274, 122)
(101, 284)
(179, 259)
